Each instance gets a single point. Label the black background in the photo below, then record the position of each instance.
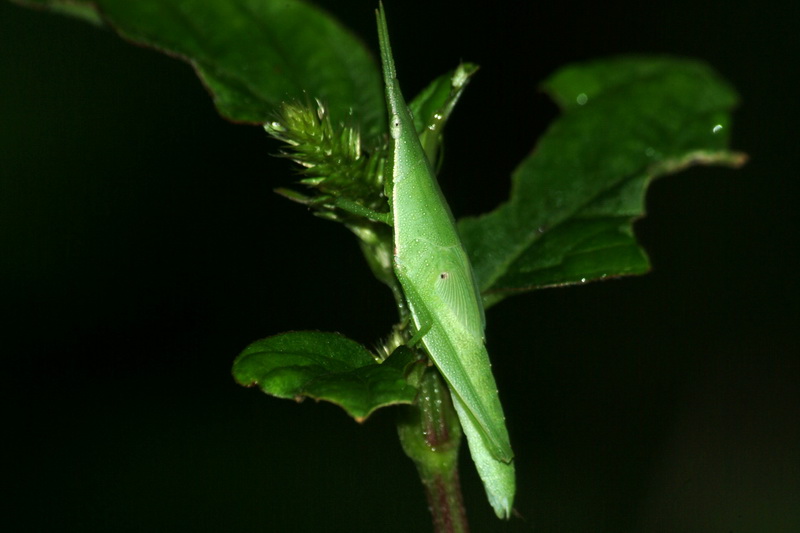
(141, 248)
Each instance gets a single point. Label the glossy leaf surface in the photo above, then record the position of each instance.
(432, 107)
(252, 54)
(325, 366)
(569, 218)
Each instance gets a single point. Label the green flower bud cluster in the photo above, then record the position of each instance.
(333, 160)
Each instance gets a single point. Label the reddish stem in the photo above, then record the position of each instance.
(431, 435)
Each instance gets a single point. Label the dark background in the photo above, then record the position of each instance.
(141, 248)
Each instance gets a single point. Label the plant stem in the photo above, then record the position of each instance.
(430, 434)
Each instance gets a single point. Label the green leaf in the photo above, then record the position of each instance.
(252, 54)
(435, 103)
(325, 366)
(573, 201)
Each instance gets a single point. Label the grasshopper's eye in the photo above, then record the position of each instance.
(395, 127)
(444, 275)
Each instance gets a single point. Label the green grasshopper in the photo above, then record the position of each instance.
(443, 299)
